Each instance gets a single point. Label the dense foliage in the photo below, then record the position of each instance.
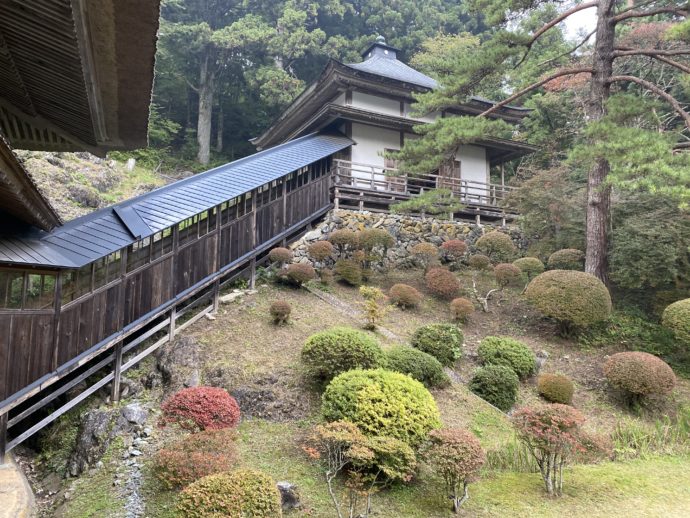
(442, 283)
(405, 296)
(320, 251)
(461, 308)
(442, 341)
(185, 460)
(530, 267)
(497, 246)
(280, 255)
(456, 456)
(349, 271)
(382, 403)
(344, 239)
(566, 259)
(503, 350)
(676, 317)
(454, 249)
(425, 253)
(496, 384)
(243, 492)
(506, 274)
(298, 273)
(574, 299)
(479, 262)
(201, 408)
(280, 311)
(328, 353)
(556, 388)
(416, 364)
(639, 375)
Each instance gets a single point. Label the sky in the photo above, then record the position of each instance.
(585, 20)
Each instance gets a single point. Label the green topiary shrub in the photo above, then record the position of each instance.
(529, 266)
(566, 259)
(639, 375)
(280, 255)
(417, 364)
(185, 460)
(503, 350)
(461, 308)
(479, 262)
(344, 239)
(496, 384)
(506, 273)
(556, 388)
(280, 311)
(328, 353)
(676, 318)
(240, 493)
(497, 246)
(442, 283)
(404, 296)
(349, 271)
(320, 251)
(298, 274)
(574, 299)
(382, 403)
(442, 341)
(371, 238)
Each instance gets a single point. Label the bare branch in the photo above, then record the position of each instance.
(652, 12)
(534, 86)
(568, 52)
(656, 90)
(558, 19)
(629, 51)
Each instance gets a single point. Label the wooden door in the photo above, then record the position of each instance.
(449, 176)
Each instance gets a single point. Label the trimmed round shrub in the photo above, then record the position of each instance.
(280, 311)
(461, 308)
(320, 251)
(442, 341)
(240, 493)
(496, 384)
(530, 266)
(371, 238)
(639, 375)
(503, 350)
(506, 273)
(382, 403)
(326, 276)
(676, 318)
(497, 246)
(185, 460)
(556, 388)
(574, 299)
(442, 283)
(566, 259)
(416, 364)
(479, 262)
(454, 249)
(328, 353)
(426, 253)
(299, 273)
(201, 408)
(344, 238)
(280, 255)
(349, 271)
(404, 296)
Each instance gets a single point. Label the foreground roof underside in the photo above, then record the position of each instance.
(100, 233)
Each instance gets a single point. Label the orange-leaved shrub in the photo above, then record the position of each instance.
(461, 308)
(320, 251)
(456, 455)
(195, 456)
(238, 494)
(442, 282)
(506, 273)
(299, 273)
(556, 388)
(201, 408)
(280, 255)
(639, 374)
(404, 296)
(280, 311)
(426, 253)
(454, 249)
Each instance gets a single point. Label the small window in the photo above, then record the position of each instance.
(40, 291)
(100, 273)
(188, 230)
(83, 280)
(139, 254)
(69, 286)
(11, 288)
(203, 223)
(114, 266)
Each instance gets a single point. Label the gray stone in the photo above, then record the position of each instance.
(289, 496)
(135, 413)
(96, 432)
(178, 364)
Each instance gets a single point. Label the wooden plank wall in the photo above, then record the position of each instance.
(31, 345)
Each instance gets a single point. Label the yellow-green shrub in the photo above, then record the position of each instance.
(676, 318)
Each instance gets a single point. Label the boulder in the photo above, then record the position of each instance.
(289, 496)
(97, 430)
(134, 413)
(178, 364)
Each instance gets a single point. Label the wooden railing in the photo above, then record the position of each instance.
(392, 182)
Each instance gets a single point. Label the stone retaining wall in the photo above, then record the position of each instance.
(407, 231)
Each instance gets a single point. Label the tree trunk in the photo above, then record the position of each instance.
(206, 91)
(219, 127)
(598, 192)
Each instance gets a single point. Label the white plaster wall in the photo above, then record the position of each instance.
(431, 117)
(473, 167)
(371, 143)
(375, 103)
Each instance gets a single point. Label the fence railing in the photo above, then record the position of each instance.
(393, 182)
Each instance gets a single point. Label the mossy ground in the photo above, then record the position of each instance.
(243, 341)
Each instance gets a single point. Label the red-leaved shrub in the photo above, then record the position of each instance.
(280, 255)
(299, 273)
(506, 273)
(188, 459)
(404, 296)
(442, 283)
(201, 408)
(454, 249)
(320, 251)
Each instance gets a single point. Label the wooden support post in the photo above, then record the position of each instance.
(117, 372)
(252, 275)
(361, 202)
(171, 325)
(336, 200)
(3, 437)
(216, 296)
(252, 278)
(478, 220)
